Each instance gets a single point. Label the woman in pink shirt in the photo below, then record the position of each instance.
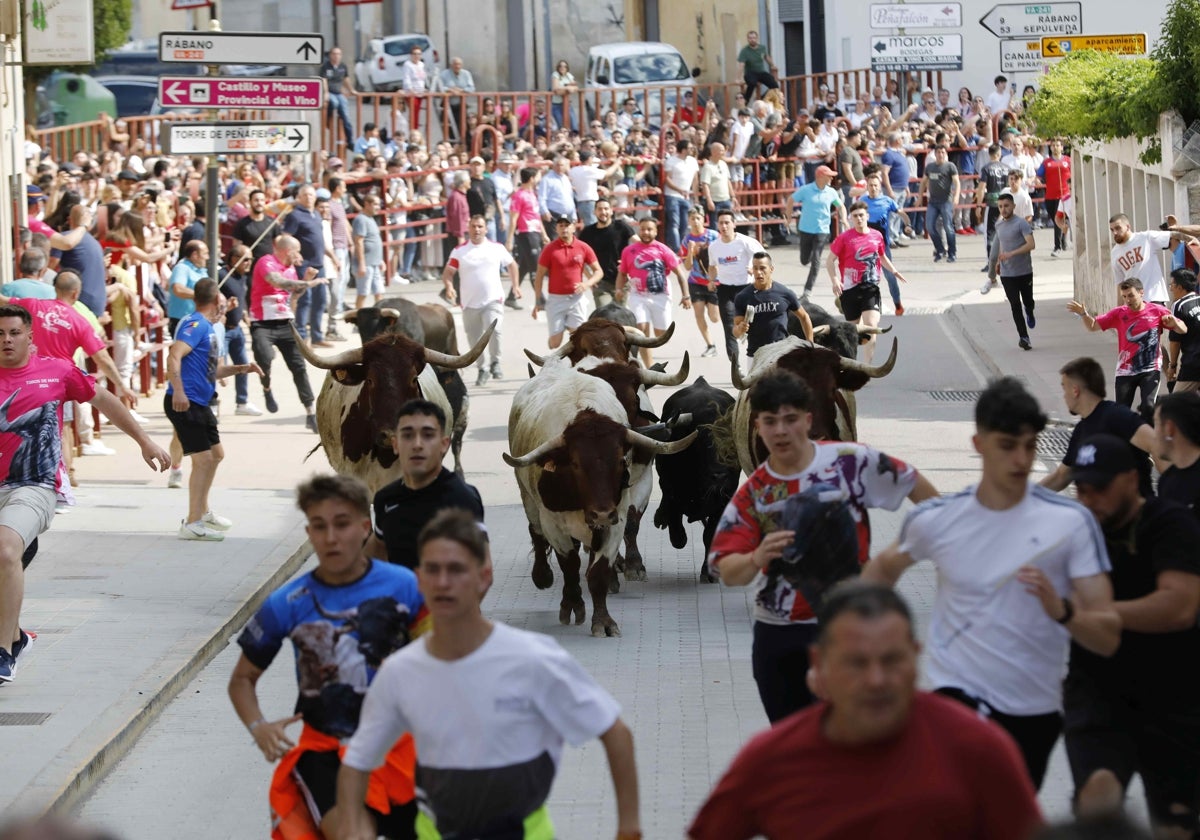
(526, 234)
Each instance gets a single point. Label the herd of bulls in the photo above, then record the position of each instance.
(582, 432)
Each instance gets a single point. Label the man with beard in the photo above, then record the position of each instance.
(1015, 564)
(607, 238)
(257, 231)
(797, 526)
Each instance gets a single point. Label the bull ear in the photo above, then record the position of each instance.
(349, 376)
(852, 380)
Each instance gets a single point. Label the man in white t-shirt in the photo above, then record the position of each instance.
(1021, 572)
(730, 257)
(585, 182)
(1138, 255)
(997, 101)
(479, 262)
(489, 707)
(679, 177)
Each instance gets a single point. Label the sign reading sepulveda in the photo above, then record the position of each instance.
(915, 15)
(895, 53)
(1021, 56)
(1024, 20)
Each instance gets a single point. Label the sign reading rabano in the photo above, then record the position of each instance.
(58, 32)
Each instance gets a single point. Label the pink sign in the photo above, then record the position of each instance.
(241, 92)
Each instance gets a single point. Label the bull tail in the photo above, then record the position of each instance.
(311, 451)
(723, 440)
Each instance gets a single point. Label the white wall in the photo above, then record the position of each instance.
(981, 49)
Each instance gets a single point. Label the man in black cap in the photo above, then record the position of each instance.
(1139, 711)
(127, 183)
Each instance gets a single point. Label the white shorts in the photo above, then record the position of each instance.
(27, 510)
(565, 312)
(654, 310)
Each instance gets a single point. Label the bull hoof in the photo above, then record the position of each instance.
(635, 570)
(604, 626)
(614, 582)
(678, 535)
(660, 517)
(566, 610)
(543, 575)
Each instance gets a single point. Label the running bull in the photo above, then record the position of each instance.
(834, 331)
(361, 398)
(573, 453)
(832, 378)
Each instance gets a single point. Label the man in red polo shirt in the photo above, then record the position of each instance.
(565, 261)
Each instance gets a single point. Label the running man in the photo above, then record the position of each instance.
(817, 200)
(562, 266)
(642, 283)
(694, 253)
(1009, 256)
(855, 260)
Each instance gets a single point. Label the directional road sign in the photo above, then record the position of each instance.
(894, 53)
(241, 92)
(915, 15)
(1060, 46)
(235, 138)
(1021, 56)
(240, 47)
(1023, 20)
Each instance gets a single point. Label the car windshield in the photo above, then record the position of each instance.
(133, 99)
(640, 69)
(403, 46)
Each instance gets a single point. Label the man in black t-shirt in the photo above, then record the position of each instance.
(1083, 392)
(425, 487)
(608, 238)
(338, 87)
(1139, 711)
(761, 308)
(1177, 428)
(993, 180)
(1183, 368)
(235, 284)
(257, 231)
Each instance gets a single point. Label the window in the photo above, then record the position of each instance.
(641, 69)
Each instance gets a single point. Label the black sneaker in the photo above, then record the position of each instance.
(1024, 344)
(23, 644)
(8, 666)
(512, 303)
(1030, 321)
(269, 401)
(310, 422)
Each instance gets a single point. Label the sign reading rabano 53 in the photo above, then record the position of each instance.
(58, 32)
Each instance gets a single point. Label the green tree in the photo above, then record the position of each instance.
(111, 23)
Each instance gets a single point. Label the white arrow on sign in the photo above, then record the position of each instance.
(1019, 20)
(174, 93)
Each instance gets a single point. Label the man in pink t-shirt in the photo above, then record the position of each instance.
(859, 252)
(646, 262)
(271, 288)
(1139, 327)
(58, 331)
(33, 390)
(526, 233)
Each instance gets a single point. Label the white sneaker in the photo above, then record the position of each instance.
(400, 280)
(248, 408)
(216, 521)
(96, 448)
(62, 507)
(987, 286)
(197, 531)
(175, 478)
(139, 419)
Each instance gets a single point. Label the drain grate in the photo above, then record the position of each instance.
(1052, 442)
(955, 396)
(23, 718)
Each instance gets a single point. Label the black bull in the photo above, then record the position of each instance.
(834, 331)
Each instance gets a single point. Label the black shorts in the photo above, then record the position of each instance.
(862, 298)
(1105, 731)
(527, 247)
(701, 294)
(172, 325)
(196, 427)
(317, 773)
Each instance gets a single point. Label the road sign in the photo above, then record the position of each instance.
(1021, 56)
(178, 5)
(58, 32)
(915, 15)
(241, 92)
(894, 53)
(240, 47)
(235, 138)
(1023, 20)
(1060, 46)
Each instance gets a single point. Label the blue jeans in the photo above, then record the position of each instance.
(310, 312)
(586, 211)
(341, 106)
(677, 222)
(556, 109)
(235, 349)
(893, 283)
(718, 206)
(410, 249)
(940, 214)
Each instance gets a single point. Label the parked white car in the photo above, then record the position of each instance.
(637, 67)
(381, 66)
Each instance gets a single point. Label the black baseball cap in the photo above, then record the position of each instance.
(1100, 459)
(563, 220)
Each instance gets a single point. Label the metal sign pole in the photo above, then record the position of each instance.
(212, 187)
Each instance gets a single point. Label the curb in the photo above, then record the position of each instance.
(106, 755)
(955, 312)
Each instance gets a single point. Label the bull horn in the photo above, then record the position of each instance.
(871, 371)
(637, 339)
(394, 314)
(445, 360)
(531, 457)
(353, 356)
(669, 447)
(349, 316)
(821, 330)
(863, 329)
(540, 361)
(736, 373)
(654, 377)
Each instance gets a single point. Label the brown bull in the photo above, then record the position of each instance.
(832, 378)
(605, 340)
(361, 398)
